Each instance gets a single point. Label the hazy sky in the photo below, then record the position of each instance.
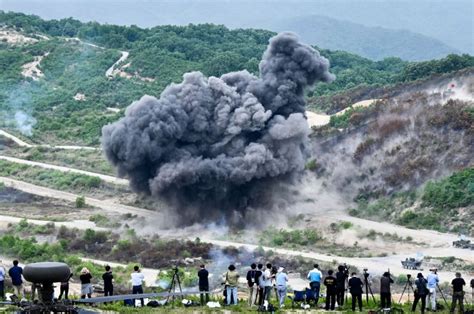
(449, 21)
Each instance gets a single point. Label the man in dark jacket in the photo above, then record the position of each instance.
(355, 288)
(330, 283)
(260, 284)
(203, 275)
(421, 291)
(252, 283)
(108, 284)
(385, 294)
(16, 273)
(341, 277)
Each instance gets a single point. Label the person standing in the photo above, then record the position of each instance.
(458, 284)
(16, 273)
(432, 284)
(331, 285)
(2, 281)
(108, 279)
(231, 282)
(341, 277)
(281, 280)
(385, 294)
(203, 275)
(86, 286)
(355, 288)
(64, 288)
(314, 277)
(137, 282)
(267, 277)
(421, 291)
(260, 284)
(252, 284)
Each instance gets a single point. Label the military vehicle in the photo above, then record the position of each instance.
(412, 263)
(463, 244)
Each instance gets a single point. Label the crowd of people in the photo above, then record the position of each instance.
(263, 280)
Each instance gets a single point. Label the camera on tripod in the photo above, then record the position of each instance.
(366, 273)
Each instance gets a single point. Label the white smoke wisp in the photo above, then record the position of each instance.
(24, 122)
(218, 146)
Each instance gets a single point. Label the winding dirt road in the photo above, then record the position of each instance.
(104, 177)
(123, 57)
(22, 143)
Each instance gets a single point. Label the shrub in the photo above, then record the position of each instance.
(454, 191)
(80, 202)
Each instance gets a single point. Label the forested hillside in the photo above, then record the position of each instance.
(66, 97)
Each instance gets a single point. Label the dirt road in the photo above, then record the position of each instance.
(123, 57)
(22, 143)
(106, 178)
(107, 205)
(79, 224)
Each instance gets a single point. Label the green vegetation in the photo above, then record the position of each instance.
(84, 159)
(454, 191)
(64, 181)
(350, 117)
(435, 207)
(80, 202)
(282, 237)
(158, 56)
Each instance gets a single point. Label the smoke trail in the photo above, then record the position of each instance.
(221, 144)
(24, 123)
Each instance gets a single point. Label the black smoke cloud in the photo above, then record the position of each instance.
(221, 144)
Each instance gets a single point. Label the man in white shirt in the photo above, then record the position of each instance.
(137, 282)
(267, 277)
(2, 282)
(432, 280)
(281, 280)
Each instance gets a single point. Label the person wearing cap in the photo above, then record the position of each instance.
(432, 284)
(86, 286)
(421, 291)
(281, 279)
(2, 281)
(331, 288)
(458, 284)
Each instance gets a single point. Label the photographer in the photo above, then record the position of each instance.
(385, 294)
(341, 277)
(432, 284)
(421, 291)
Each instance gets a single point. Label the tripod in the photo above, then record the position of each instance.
(442, 295)
(409, 284)
(368, 288)
(175, 282)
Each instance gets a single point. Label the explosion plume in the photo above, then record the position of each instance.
(221, 144)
